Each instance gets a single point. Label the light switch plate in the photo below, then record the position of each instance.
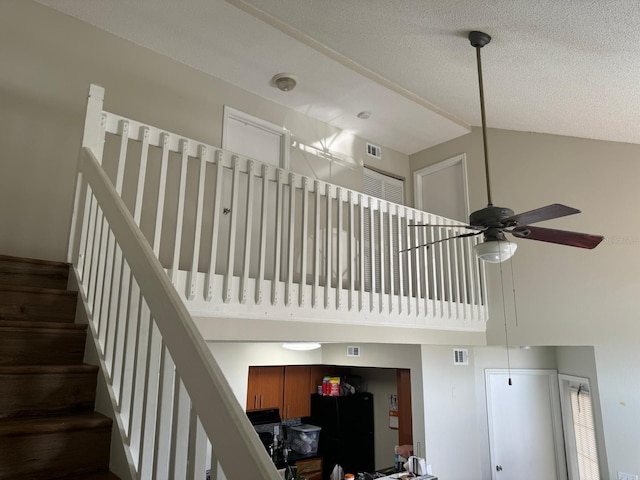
(627, 476)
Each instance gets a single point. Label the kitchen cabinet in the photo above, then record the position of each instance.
(310, 468)
(405, 432)
(297, 392)
(265, 387)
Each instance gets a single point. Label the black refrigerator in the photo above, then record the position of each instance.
(346, 437)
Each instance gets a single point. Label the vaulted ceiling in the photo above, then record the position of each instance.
(567, 68)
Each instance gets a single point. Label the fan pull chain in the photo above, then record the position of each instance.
(513, 282)
(504, 313)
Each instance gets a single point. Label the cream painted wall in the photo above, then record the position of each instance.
(50, 59)
(496, 357)
(456, 429)
(569, 296)
(236, 358)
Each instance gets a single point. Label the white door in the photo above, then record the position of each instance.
(266, 142)
(442, 189)
(525, 427)
(255, 138)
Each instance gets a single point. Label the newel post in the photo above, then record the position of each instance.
(93, 133)
(92, 138)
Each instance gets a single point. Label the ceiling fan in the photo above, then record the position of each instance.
(493, 222)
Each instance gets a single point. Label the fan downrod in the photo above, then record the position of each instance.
(479, 39)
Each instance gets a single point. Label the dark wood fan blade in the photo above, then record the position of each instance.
(562, 237)
(549, 212)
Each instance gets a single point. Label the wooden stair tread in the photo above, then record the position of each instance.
(33, 261)
(25, 289)
(47, 369)
(26, 324)
(92, 476)
(61, 423)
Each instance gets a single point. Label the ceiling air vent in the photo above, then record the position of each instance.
(374, 151)
(460, 356)
(353, 351)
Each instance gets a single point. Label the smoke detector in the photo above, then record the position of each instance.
(284, 82)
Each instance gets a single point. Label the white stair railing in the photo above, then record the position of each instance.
(235, 234)
(174, 408)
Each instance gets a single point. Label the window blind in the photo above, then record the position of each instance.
(584, 433)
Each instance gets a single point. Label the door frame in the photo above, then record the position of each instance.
(565, 382)
(229, 113)
(556, 415)
(419, 175)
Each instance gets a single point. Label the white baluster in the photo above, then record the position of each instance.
(233, 222)
(361, 213)
(292, 224)
(275, 284)
(328, 244)
(316, 249)
(303, 242)
(164, 161)
(182, 189)
(215, 226)
(352, 255)
(339, 248)
(244, 279)
(164, 419)
(195, 259)
(263, 235)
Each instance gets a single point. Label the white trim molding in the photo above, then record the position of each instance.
(418, 176)
(230, 113)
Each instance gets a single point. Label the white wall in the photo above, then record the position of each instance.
(236, 358)
(569, 296)
(455, 407)
(50, 59)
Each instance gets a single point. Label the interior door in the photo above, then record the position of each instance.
(525, 427)
(442, 189)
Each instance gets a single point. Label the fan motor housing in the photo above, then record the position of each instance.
(490, 216)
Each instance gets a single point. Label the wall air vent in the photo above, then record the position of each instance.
(374, 151)
(353, 351)
(460, 356)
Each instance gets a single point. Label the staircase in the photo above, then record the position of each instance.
(48, 429)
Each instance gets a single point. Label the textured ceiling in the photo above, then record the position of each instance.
(568, 68)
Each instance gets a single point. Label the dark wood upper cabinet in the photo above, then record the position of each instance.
(265, 387)
(405, 429)
(297, 395)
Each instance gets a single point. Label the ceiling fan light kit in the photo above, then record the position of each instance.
(495, 251)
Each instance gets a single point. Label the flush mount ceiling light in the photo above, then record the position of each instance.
(301, 345)
(284, 81)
